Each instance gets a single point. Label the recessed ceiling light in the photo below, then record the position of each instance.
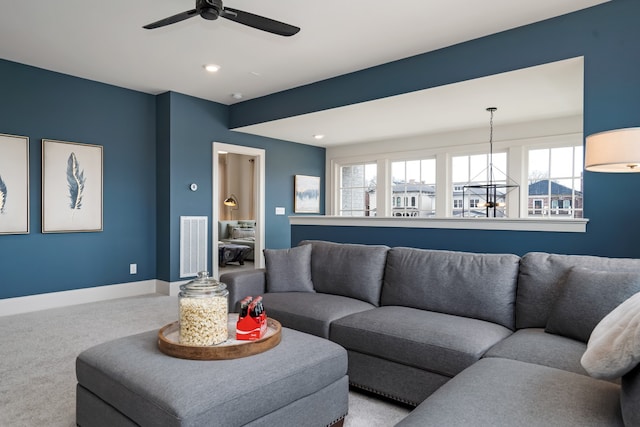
(236, 95)
(318, 136)
(212, 68)
(255, 73)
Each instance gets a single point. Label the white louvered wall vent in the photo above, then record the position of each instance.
(193, 245)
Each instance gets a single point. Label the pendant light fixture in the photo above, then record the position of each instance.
(494, 193)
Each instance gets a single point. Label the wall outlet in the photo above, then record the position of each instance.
(133, 268)
(279, 211)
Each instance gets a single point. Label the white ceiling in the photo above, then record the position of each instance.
(544, 92)
(105, 41)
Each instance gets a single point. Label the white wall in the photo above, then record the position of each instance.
(533, 129)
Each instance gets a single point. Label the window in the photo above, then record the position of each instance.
(470, 175)
(555, 182)
(415, 182)
(447, 181)
(537, 206)
(358, 190)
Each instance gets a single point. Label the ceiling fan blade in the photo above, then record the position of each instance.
(259, 22)
(172, 19)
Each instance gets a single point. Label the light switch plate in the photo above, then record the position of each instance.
(280, 211)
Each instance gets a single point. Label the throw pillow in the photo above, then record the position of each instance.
(243, 233)
(614, 345)
(586, 297)
(289, 270)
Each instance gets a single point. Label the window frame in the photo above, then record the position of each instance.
(366, 213)
(517, 164)
(547, 212)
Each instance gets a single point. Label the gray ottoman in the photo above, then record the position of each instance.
(128, 382)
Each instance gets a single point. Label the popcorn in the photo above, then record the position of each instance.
(203, 321)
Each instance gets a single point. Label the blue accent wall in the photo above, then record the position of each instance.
(154, 147)
(189, 128)
(606, 35)
(41, 104)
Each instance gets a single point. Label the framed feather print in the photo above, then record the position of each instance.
(71, 187)
(14, 184)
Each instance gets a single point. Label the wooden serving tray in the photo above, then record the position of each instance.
(169, 344)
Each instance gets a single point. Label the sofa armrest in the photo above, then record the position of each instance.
(243, 283)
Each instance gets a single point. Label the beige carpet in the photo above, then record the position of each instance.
(38, 351)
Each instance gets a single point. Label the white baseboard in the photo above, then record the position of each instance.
(169, 288)
(31, 303)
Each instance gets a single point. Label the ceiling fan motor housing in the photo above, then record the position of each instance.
(209, 9)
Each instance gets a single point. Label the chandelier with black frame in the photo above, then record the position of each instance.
(490, 194)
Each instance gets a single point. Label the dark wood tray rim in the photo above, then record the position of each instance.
(219, 352)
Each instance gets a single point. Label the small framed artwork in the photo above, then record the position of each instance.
(307, 194)
(71, 187)
(14, 184)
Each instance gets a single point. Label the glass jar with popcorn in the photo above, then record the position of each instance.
(203, 311)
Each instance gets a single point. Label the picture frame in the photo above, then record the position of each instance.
(306, 194)
(72, 187)
(14, 184)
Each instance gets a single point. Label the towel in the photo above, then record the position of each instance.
(614, 345)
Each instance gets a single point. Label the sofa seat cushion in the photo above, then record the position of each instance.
(534, 345)
(310, 312)
(436, 342)
(479, 286)
(501, 392)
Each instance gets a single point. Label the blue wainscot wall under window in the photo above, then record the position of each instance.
(606, 35)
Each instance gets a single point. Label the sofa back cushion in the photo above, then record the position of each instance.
(586, 296)
(541, 278)
(479, 286)
(348, 270)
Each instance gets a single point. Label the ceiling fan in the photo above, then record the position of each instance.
(212, 9)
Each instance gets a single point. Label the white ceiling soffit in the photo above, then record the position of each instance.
(543, 92)
(104, 40)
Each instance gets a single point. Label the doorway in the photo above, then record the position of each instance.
(256, 199)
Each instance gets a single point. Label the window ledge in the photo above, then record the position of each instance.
(512, 224)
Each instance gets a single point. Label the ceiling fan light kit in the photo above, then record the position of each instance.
(212, 9)
(212, 68)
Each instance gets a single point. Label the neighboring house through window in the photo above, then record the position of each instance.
(413, 181)
(555, 182)
(357, 190)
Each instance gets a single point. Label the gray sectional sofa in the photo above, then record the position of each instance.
(470, 339)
